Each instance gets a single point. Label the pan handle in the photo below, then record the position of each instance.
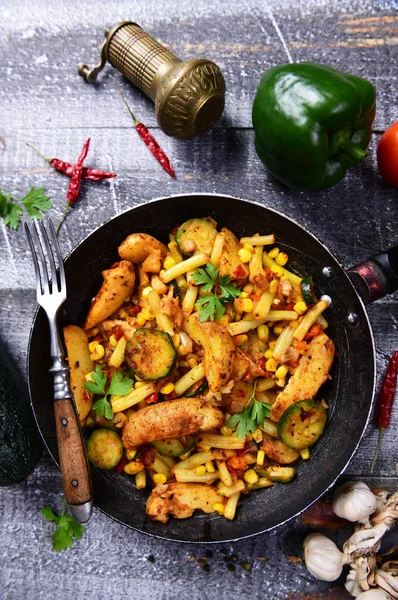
(377, 276)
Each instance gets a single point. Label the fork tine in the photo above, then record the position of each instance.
(54, 240)
(38, 249)
(35, 261)
(50, 256)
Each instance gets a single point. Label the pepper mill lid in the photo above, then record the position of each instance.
(189, 96)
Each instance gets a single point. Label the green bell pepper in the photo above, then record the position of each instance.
(312, 123)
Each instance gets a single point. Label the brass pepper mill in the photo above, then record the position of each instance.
(188, 96)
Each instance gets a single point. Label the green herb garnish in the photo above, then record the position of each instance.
(119, 386)
(251, 417)
(36, 203)
(211, 306)
(67, 528)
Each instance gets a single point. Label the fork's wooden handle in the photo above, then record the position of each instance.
(73, 461)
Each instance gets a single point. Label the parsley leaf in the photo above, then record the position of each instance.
(211, 306)
(251, 417)
(36, 203)
(119, 385)
(67, 528)
(13, 215)
(97, 385)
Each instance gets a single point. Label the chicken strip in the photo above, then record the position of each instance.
(181, 500)
(169, 419)
(310, 374)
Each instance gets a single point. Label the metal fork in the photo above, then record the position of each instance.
(51, 293)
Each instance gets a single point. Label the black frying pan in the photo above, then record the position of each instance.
(349, 394)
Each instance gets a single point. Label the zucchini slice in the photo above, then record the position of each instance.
(279, 474)
(151, 354)
(302, 424)
(104, 448)
(174, 446)
(196, 235)
(197, 389)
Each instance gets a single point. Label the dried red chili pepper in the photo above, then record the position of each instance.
(149, 140)
(74, 183)
(67, 168)
(385, 401)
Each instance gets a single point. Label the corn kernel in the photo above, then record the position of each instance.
(122, 314)
(147, 313)
(92, 345)
(141, 320)
(225, 320)
(218, 507)
(113, 341)
(130, 454)
(271, 364)
(281, 372)
(176, 340)
(278, 329)
(146, 291)
(280, 382)
(258, 436)
(244, 255)
(98, 352)
(300, 307)
(226, 430)
(268, 354)
(139, 384)
(210, 467)
(244, 295)
(260, 457)
(273, 286)
(281, 259)
(305, 453)
(273, 253)
(94, 331)
(250, 476)
(263, 332)
(89, 376)
(241, 339)
(200, 470)
(167, 389)
(133, 467)
(192, 362)
(272, 345)
(294, 324)
(247, 305)
(248, 288)
(248, 247)
(159, 478)
(169, 262)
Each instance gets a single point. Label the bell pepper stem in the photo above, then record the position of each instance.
(381, 431)
(353, 151)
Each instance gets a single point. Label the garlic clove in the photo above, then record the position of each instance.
(354, 501)
(375, 594)
(322, 557)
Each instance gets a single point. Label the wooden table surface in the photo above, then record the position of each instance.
(43, 101)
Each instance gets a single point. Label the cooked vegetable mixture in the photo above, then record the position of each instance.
(198, 368)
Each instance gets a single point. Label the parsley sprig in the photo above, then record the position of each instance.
(119, 386)
(36, 203)
(212, 306)
(251, 417)
(67, 527)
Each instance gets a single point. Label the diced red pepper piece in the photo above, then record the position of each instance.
(152, 398)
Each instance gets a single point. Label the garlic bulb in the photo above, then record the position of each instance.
(354, 501)
(322, 557)
(375, 594)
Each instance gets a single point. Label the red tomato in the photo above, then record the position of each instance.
(387, 155)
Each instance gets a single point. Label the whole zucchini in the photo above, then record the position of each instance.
(20, 443)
